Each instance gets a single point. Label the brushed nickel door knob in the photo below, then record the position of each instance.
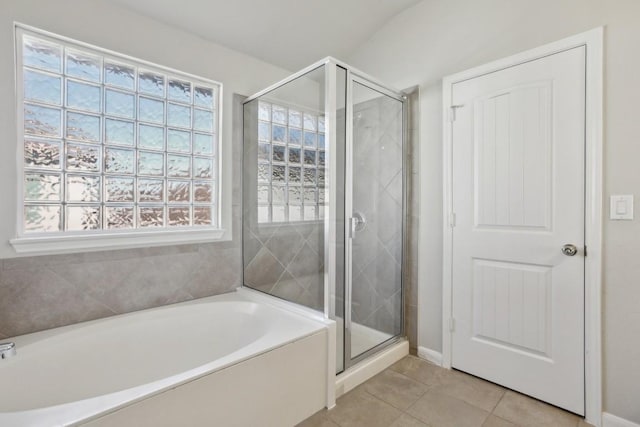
(569, 250)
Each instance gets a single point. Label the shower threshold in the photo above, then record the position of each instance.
(363, 338)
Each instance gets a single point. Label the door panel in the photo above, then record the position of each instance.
(513, 158)
(377, 210)
(518, 197)
(510, 305)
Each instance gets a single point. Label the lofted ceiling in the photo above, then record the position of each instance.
(287, 33)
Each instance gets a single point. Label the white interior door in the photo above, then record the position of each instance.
(518, 199)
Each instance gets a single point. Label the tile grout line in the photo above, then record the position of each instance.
(392, 405)
(504, 393)
(383, 401)
(431, 388)
(416, 402)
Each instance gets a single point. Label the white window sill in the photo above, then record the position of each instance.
(60, 244)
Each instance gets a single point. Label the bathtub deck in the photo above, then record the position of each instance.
(72, 374)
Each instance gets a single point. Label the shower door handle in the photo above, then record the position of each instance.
(358, 223)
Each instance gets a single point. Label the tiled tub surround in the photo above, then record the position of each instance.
(190, 362)
(38, 293)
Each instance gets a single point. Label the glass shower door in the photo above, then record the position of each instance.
(375, 231)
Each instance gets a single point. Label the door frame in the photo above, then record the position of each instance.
(593, 41)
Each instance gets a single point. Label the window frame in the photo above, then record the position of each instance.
(103, 239)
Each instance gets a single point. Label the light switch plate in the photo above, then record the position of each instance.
(621, 207)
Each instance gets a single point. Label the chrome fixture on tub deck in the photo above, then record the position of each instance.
(7, 350)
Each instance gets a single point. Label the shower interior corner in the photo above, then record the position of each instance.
(324, 201)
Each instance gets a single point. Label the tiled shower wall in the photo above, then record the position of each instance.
(377, 195)
(287, 261)
(38, 293)
(374, 307)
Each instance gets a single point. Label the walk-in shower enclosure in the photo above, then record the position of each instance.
(323, 201)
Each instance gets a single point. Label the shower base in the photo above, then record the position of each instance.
(363, 338)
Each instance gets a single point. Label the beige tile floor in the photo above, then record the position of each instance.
(415, 393)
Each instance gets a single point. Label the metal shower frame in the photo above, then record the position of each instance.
(331, 231)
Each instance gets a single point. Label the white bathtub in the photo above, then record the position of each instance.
(102, 372)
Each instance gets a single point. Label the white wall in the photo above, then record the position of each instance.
(106, 25)
(439, 37)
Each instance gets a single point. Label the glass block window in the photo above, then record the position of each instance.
(112, 143)
(291, 164)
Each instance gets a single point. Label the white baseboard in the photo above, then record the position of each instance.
(429, 355)
(356, 375)
(609, 420)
